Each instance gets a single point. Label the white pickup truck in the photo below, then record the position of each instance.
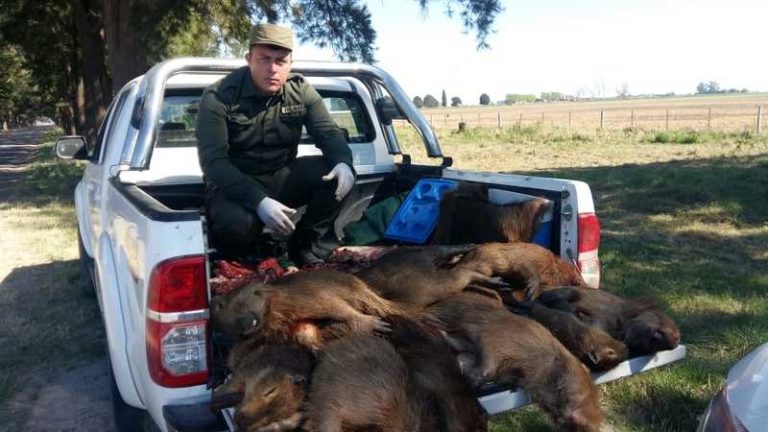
(145, 251)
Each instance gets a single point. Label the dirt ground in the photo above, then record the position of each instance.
(75, 399)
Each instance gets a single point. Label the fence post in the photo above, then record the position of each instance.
(498, 116)
(709, 118)
(431, 123)
(569, 119)
(520, 120)
(542, 117)
(602, 115)
(445, 121)
(667, 121)
(759, 119)
(632, 119)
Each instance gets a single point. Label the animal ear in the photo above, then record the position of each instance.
(593, 358)
(299, 379)
(639, 305)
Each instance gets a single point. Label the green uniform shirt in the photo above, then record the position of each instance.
(242, 134)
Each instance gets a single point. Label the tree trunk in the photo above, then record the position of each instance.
(127, 55)
(94, 90)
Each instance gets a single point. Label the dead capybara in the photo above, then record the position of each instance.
(638, 322)
(361, 383)
(271, 380)
(590, 344)
(533, 265)
(514, 349)
(275, 310)
(463, 208)
(432, 365)
(412, 277)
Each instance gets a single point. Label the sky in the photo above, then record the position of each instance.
(589, 47)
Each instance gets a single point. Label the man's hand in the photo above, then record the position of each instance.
(276, 216)
(343, 174)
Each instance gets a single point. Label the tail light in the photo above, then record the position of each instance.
(589, 242)
(177, 323)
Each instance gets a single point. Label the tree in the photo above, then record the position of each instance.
(485, 99)
(551, 96)
(444, 99)
(81, 52)
(455, 101)
(622, 92)
(512, 98)
(430, 101)
(709, 87)
(418, 101)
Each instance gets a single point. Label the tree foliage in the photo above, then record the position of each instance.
(485, 99)
(512, 98)
(455, 101)
(430, 101)
(551, 96)
(444, 100)
(476, 15)
(418, 101)
(80, 52)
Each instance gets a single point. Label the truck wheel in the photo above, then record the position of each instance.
(86, 269)
(128, 418)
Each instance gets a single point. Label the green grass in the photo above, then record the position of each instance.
(682, 223)
(47, 323)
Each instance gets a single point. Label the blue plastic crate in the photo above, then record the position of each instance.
(417, 216)
(543, 235)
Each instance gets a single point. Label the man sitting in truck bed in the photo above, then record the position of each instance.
(248, 129)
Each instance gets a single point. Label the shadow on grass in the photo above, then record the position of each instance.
(692, 235)
(47, 323)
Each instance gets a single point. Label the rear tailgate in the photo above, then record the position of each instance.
(572, 204)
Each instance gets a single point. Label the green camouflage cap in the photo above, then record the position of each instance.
(271, 34)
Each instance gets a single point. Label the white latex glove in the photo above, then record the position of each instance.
(343, 174)
(276, 216)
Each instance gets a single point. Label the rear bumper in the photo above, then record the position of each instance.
(497, 400)
(193, 418)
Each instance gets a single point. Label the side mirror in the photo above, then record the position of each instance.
(388, 110)
(71, 147)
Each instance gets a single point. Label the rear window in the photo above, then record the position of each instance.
(178, 117)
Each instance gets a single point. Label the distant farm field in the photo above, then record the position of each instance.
(737, 112)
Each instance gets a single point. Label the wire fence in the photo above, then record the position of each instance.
(727, 118)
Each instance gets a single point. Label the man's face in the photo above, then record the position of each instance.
(269, 67)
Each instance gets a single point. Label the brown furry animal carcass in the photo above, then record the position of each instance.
(280, 309)
(638, 322)
(590, 344)
(466, 216)
(432, 365)
(413, 277)
(533, 265)
(362, 383)
(517, 350)
(269, 385)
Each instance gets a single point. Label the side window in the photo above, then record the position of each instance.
(349, 114)
(178, 118)
(108, 124)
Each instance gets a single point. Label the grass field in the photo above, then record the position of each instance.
(47, 325)
(683, 221)
(729, 113)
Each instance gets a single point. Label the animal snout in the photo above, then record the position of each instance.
(247, 322)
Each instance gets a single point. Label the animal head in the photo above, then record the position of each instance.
(241, 312)
(648, 329)
(270, 395)
(603, 351)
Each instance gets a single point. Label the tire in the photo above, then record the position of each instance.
(86, 269)
(126, 417)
